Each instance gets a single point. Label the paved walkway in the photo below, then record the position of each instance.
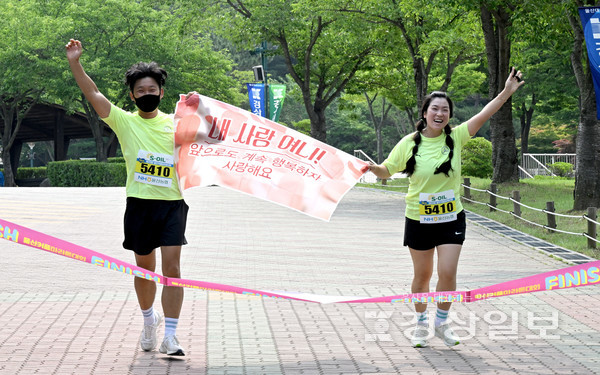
(60, 316)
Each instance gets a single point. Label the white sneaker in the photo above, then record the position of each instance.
(445, 332)
(170, 346)
(148, 339)
(420, 336)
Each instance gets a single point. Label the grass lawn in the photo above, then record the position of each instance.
(534, 193)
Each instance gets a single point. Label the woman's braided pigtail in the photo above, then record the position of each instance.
(446, 167)
(412, 162)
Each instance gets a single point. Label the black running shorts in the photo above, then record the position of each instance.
(427, 236)
(150, 224)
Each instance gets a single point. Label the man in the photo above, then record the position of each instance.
(156, 213)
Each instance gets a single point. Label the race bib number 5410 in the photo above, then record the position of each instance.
(437, 207)
(154, 169)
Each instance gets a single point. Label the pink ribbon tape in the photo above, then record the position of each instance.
(570, 277)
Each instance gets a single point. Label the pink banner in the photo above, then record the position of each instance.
(576, 276)
(570, 277)
(219, 144)
(29, 237)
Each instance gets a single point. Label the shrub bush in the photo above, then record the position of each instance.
(477, 158)
(117, 159)
(561, 169)
(24, 173)
(85, 173)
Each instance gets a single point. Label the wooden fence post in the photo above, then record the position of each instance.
(493, 189)
(467, 184)
(517, 199)
(551, 218)
(592, 213)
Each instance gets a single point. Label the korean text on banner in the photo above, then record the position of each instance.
(590, 19)
(276, 97)
(219, 144)
(256, 95)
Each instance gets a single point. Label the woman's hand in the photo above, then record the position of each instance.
(514, 80)
(379, 170)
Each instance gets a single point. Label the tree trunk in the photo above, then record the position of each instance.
(8, 116)
(9, 175)
(13, 111)
(526, 116)
(495, 24)
(318, 122)
(525, 127)
(411, 119)
(96, 126)
(378, 123)
(421, 81)
(587, 161)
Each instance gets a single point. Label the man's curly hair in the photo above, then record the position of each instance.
(143, 69)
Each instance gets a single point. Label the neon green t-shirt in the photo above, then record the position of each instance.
(432, 153)
(147, 146)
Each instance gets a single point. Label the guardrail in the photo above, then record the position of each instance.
(591, 216)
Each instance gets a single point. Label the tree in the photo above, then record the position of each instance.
(378, 121)
(438, 36)
(143, 31)
(496, 20)
(587, 176)
(550, 94)
(369, 108)
(26, 33)
(322, 51)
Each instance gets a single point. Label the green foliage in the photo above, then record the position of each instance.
(36, 172)
(544, 179)
(302, 126)
(204, 45)
(562, 169)
(27, 33)
(477, 158)
(116, 34)
(348, 131)
(542, 136)
(86, 173)
(27, 173)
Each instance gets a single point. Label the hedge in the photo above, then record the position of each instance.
(24, 173)
(86, 173)
(116, 159)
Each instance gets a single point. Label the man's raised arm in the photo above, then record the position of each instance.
(85, 83)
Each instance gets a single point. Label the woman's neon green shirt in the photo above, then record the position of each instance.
(432, 153)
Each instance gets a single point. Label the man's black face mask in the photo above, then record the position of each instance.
(147, 103)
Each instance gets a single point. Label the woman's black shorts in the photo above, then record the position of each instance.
(151, 223)
(427, 236)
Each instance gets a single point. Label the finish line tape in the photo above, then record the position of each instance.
(570, 277)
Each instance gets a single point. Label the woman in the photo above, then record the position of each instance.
(434, 214)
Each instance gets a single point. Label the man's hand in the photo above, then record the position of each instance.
(190, 94)
(85, 83)
(74, 50)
